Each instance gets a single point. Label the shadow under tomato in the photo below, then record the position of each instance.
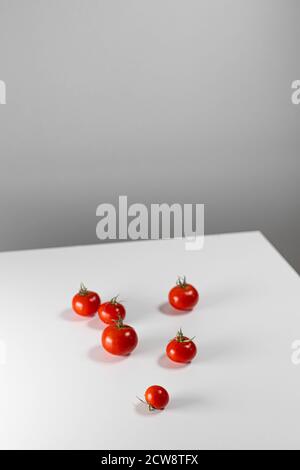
(96, 324)
(167, 309)
(71, 316)
(166, 363)
(188, 400)
(97, 354)
(143, 410)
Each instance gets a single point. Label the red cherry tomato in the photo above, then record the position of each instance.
(85, 302)
(183, 296)
(119, 339)
(156, 397)
(181, 349)
(110, 312)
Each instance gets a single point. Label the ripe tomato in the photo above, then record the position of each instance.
(85, 302)
(181, 349)
(111, 311)
(156, 397)
(183, 296)
(119, 339)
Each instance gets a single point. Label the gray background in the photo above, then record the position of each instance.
(161, 100)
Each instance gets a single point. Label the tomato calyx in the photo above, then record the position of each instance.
(181, 282)
(180, 338)
(83, 291)
(114, 300)
(150, 407)
(119, 323)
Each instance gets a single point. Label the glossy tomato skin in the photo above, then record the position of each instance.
(157, 397)
(182, 351)
(110, 312)
(119, 341)
(183, 297)
(86, 303)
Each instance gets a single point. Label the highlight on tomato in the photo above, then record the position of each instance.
(85, 302)
(119, 339)
(156, 398)
(110, 312)
(181, 349)
(183, 296)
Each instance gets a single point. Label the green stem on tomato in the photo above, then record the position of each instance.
(181, 282)
(114, 300)
(83, 290)
(181, 338)
(119, 322)
(150, 407)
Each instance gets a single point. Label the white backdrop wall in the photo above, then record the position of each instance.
(161, 100)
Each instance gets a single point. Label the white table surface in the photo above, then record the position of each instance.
(59, 389)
